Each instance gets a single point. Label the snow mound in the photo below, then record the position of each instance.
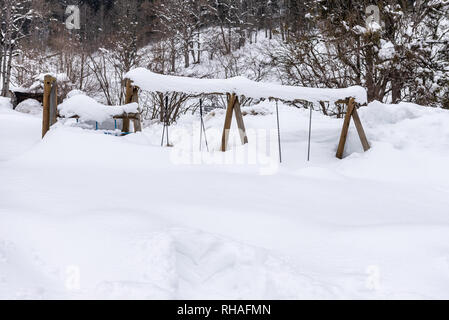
(18, 131)
(14, 258)
(87, 109)
(183, 263)
(75, 92)
(409, 143)
(30, 106)
(378, 113)
(373, 225)
(407, 126)
(5, 104)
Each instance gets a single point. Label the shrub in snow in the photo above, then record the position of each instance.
(256, 111)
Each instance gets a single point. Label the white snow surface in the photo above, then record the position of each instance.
(87, 108)
(150, 81)
(387, 51)
(31, 106)
(89, 215)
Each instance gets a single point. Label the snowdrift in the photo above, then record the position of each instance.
(373, 225)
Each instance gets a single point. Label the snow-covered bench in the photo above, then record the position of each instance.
(84, 108)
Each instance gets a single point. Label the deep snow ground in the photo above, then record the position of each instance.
(88, 215)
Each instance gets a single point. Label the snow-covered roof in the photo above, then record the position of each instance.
(87, 109)
(150, 81)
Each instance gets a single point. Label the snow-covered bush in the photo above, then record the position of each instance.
(30, 106)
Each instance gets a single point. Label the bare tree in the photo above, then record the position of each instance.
(14, 15)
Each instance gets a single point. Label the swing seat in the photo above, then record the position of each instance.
(117, 134)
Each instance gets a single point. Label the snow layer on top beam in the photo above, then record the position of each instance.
(150, 81)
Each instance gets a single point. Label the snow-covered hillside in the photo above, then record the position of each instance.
(89, 215)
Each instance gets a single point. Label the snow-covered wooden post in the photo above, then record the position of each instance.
(54, 102)
(137, 121)
(233, 107)
(351, 113)
(49, 115)
(131, 96)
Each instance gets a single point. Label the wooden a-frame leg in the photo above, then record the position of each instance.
(352, 112)
(228, 121)
(233, 106)
(361, 132)
(240, 123)
(344, 131)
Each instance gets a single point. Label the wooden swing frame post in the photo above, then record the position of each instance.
(131, 95)
(233, 108)
(49, 117)
(351, 113)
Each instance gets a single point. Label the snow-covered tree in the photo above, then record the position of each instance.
(14, 15)
(180, 20)
(399, 55)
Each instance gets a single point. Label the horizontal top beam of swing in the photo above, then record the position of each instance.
(132, 116)
(153, 82)
(343, 101)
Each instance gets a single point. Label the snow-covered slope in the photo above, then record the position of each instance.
(88, 215)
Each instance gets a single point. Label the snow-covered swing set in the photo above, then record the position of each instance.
(237, 87)
(233, 88)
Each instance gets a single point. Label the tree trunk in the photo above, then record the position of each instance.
(83, 60)
(6, 48)
(199, 48)
(396, 87)
(173, 55)
(8, 72)
(186, 55)
(370, 74)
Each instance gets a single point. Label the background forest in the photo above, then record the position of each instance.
(402, 56)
